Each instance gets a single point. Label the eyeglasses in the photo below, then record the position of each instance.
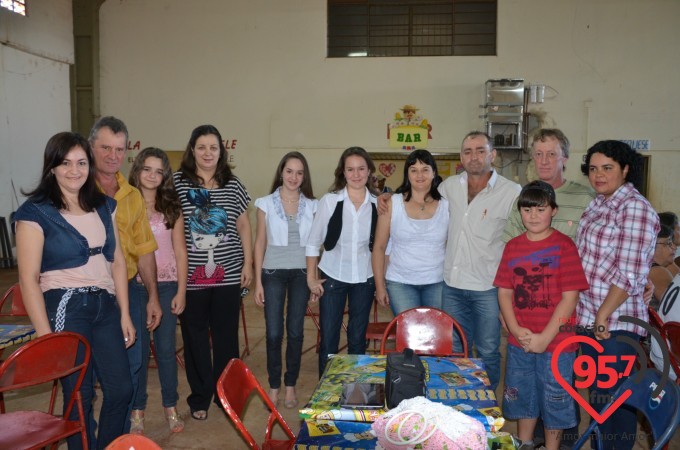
(547, 155)
(669, 244)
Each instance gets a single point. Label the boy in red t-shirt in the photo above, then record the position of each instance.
(538, 280)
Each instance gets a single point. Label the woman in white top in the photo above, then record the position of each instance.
(284, 220)
(415, 225)
(344, 222)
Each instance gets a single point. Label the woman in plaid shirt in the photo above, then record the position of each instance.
(616, 240)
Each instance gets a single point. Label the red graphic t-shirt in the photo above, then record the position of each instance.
(539, 272)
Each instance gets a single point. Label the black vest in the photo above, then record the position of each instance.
(335, 227)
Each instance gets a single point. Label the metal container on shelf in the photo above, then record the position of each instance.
(505, 92)
(504, 112)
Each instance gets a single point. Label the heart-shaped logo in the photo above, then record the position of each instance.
(599, 417)
(387, 169)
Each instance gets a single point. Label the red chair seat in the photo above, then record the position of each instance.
(33, 429)
(43, 361)
(278, 445)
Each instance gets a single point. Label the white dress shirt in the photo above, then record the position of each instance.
(475, 244)
(350, 260)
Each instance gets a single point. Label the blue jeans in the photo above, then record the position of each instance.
(279, 284)
(407, 296)
(164, 338)
(619, 430)
(138, 353)
(477, 313)
(532, 391)
(95, 315)
(331, 311)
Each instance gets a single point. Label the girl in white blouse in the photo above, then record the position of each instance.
(284, 220)
(345, 224)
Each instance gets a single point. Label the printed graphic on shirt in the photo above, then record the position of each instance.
(208, 226)
(532, 277)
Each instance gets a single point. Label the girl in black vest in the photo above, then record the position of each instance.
(345, 225)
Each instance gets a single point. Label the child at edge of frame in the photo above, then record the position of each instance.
(538, 280)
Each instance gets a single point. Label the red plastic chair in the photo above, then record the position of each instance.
(428, 331)
(178, 352)
(376, 329)
(17, 309)
(133, 441)
(234, 388)
(44, 360)
(657, 323)
(154, 365)
(654, 319)
(314, 315)
(671, 332)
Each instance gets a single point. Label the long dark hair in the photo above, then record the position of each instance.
(623, 154)
(340, 182)
(167, 200)
(424, 157)
(305, 186)
(56, 150)
(668, 218)
(188, 167)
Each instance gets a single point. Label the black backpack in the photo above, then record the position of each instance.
(404, 377)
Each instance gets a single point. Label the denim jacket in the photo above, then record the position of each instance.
(64, 246)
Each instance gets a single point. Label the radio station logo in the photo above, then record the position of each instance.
(602, 372)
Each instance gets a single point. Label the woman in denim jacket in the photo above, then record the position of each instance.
(284, 220)
(73, 277)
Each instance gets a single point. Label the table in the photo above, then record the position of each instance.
(15, 334)
(459, 382)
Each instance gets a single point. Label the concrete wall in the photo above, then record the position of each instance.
(35, 54)
(257, 70)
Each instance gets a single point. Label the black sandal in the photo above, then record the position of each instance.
(199, 414)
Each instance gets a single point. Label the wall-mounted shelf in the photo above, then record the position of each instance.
(504, 112)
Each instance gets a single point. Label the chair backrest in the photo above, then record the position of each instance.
(654, 319)
(132, 441)
(428, 331)
(18, 308)
(662, 412)
(234, 388)
(45, 359)
(671, 332)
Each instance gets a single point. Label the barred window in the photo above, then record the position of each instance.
(17, 6)
(411, 27)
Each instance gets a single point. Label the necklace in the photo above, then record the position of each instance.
(425, 202)
(290, 202)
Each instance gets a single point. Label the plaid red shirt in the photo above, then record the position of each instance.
(616, 239)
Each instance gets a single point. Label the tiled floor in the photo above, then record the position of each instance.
(217, 432)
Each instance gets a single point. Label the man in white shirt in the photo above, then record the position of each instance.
(480, 201)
